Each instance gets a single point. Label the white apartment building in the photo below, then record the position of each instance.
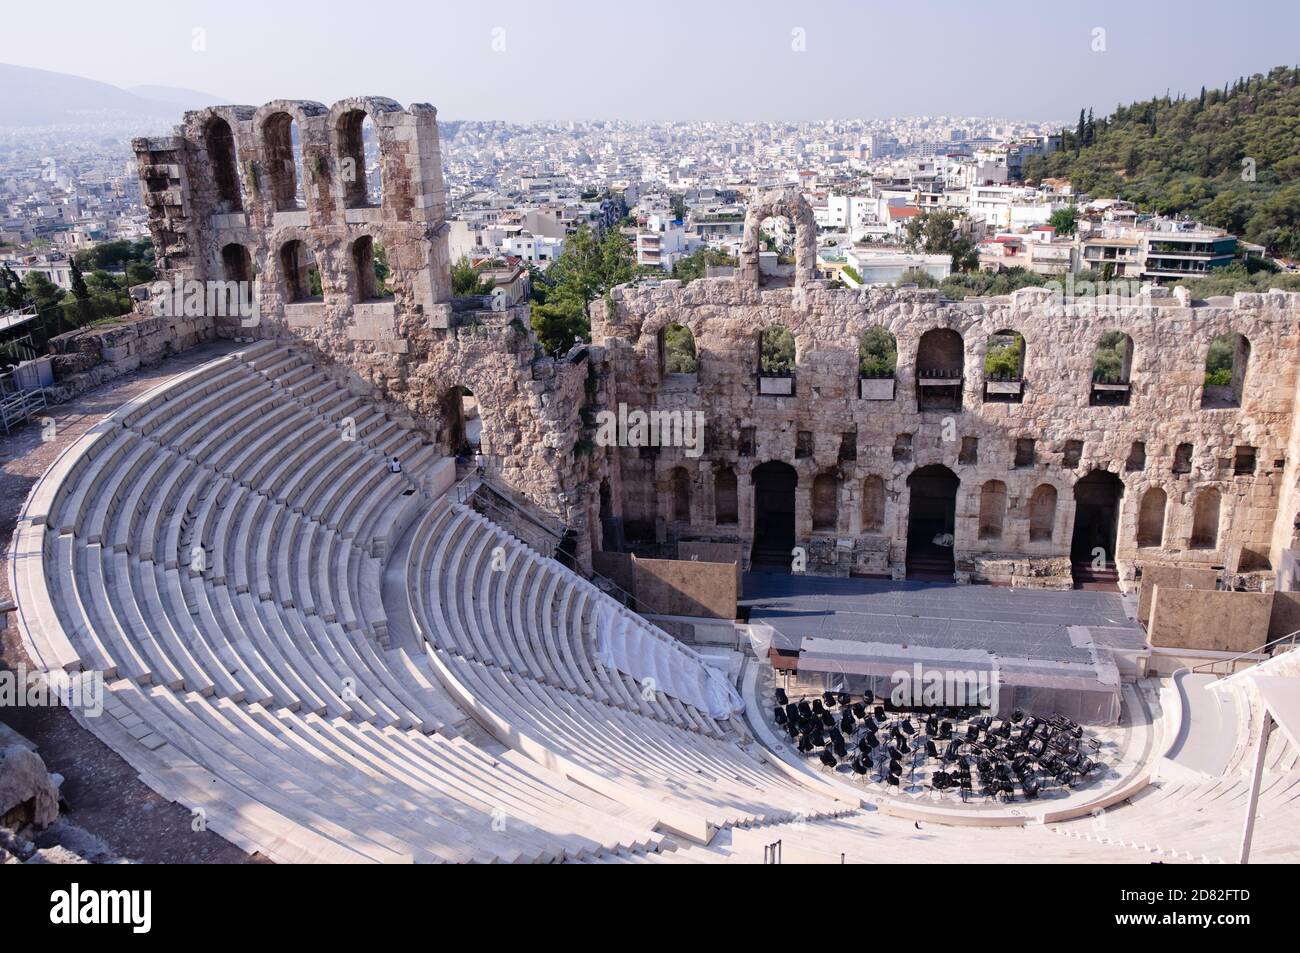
(848, 213)
(888, 268)
(534, 249)
(662, 242)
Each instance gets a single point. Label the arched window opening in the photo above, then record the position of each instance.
(302, 281)
(1042, 514)
(826, 492)
(776, 251)
(677, 350)
(940, 364)
(877, 364)
(1205, 520)
(1112, 364)
(873, 504)
(359, 161)
(1225, 371)
(224, 160)
(725, 498)
(370, 270)
(237, 264)
(681, 495)
(993, 509)
(283, 146)
(1004, 368)
(776, 361)
(1151, 517)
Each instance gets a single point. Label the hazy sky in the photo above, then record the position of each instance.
(669, 59)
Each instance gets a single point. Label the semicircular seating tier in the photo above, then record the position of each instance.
(217, 551)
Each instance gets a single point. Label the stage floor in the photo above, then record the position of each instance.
(1026, 623)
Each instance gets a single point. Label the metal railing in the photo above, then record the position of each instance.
(18, 405)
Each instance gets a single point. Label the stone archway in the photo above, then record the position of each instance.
(931, 521)
(778, 203)
(463, 426)
(1096, 520)
(774, 514)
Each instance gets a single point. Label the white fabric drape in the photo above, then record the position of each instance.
(658, 661)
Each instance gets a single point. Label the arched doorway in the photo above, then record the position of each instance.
(774, 490)
(463, 425)
(931, 521)
(1096, 521)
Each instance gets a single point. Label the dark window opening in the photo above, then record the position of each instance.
(848, 446)
(1137, 457)
(970, 451)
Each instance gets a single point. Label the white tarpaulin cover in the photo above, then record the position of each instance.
(636, 648)
(1089, 693)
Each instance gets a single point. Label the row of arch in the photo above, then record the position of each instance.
(355, 138)
(993, 506)
(940, 362)
(300, 275)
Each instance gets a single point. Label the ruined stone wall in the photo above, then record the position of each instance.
(91, 356)
(1170, 334)
(222, 191)
(222, 188)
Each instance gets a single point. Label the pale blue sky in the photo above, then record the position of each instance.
(674, 59)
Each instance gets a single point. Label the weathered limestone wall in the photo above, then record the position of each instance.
(683, 587)
(1171, 337)
(1209, 620)
(221, 191)
(1171, 577)
(91, 356)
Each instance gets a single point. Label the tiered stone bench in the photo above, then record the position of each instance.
(216, 550)
(516, 645)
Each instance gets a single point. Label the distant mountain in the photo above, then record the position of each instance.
(37, 97)
(177, 96)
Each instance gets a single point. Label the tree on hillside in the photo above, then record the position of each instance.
(466, 281)
(1065, 220)
(1185, 156)
(587, 269)
(936, 233)
(696, 264)
(15, 295)
(81, 293)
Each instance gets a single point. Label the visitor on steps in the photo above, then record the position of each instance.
(394, 465)
(479, 461)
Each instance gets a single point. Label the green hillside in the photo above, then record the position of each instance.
(1229, 157)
